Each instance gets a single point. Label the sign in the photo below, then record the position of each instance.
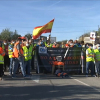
(52, 39)
(92, 36)
(71, 61)
(42, 50)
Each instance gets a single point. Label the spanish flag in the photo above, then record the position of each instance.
(42, 29)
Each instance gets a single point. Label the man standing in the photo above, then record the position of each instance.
(90, 60)
(97, 60)
(10, 52)
(18, 58)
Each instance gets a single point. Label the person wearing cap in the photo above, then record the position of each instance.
(90, 60)
(97, 60)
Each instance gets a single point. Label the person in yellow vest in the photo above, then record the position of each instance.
(32, 53)
(2, 54)
(10, 52)
(49, 45)
(27, 57)
(97, 60)
(62, 45)
(90, 60)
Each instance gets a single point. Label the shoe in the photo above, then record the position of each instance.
(26, 76)
(0, 78)
(86, 75)
(93, 75)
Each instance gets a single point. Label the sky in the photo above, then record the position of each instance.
(72, 17)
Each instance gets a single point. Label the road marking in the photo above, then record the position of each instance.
(84, 84)
(81, 82)
(35, 78)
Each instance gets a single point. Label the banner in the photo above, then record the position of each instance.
(46, 57)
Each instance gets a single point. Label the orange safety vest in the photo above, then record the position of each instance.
(15, 52)
(54, 46)
(2, 51)
(66, 45)
(58, 63)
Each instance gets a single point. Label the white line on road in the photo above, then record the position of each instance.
(84, 84)
(81, 82)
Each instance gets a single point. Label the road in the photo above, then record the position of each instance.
(50, 87)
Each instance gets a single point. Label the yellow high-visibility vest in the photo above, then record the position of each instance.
(1, 59)
(26, 54)
(30, 52)
(10, 52)
(91, 52)
(97, 54)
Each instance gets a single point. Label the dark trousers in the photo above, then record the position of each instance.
(32, 63)
(90, 65)
(1, 70)
(6, 62)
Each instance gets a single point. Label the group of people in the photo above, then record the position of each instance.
(91, 51)
(21, 53)
(69, 43)
(93, 59)
(14, 54)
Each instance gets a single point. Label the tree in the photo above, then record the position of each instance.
(15, 35)
(28, 36)
(6, 34)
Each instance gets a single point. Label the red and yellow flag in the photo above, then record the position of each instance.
(42, 29)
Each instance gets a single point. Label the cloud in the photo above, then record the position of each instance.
(55, 3)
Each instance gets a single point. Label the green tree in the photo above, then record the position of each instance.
(15, 35)
(28, 36)
(6, 34)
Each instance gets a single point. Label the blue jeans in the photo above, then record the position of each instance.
(11, 66)
(97, 67)
(27, 66)
(16, 62)
(90, 65)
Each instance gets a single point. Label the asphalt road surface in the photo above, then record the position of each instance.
(50, 87)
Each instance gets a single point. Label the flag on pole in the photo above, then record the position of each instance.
(42, 29)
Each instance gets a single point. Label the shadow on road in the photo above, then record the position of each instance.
(47, 92)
